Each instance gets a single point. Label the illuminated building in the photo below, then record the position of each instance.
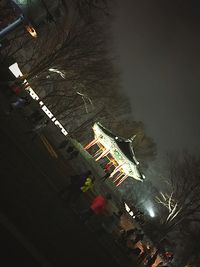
(118, 151)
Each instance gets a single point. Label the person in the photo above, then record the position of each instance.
(135, 251)
(138, 212)
(131, 232)
(63, 144)
(107, 170)
(70, 188)
(107, 175)
(78, 184)
(84, 176)
(107, 167)
(20, 103)
(118, 214)
(73, 154)
(122, 237)
(70, 149)
(16, 87)
(151, 260)
(37, 129)
(168, 255)
(139, 217)
(139, 237)
(88, 183)
(35, 116)
(111, 222)
(144, 254)
(97, 207)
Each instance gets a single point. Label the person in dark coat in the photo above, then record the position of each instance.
(35, 116)
(131, 232)
(37, 129)
(70, 149)
(136, 251)
(73, 191)
(139, 237)
(20, 103)
(144, 254)
(107, 175)
(74, 154)
(110, 222)
(152, 259)
(63, 144)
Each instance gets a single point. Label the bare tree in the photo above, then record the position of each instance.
(73, 72)
(88, 8)
(70, 66)
(141, 195)
(181, 204)
(182, 200)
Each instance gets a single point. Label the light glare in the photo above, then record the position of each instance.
(127, 207)
(14, 68)
(151, 212)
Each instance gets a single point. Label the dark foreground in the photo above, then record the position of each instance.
(37, 228)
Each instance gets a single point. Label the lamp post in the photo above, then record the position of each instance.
(30, 15)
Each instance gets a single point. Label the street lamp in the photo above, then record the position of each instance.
(30, 14)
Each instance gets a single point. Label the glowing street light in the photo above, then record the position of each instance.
(151, 212)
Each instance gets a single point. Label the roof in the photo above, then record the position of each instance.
(125, 145)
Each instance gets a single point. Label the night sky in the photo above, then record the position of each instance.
(158, 48)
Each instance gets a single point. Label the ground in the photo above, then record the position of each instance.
(37, 227)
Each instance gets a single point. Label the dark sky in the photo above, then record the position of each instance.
(158, 44)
